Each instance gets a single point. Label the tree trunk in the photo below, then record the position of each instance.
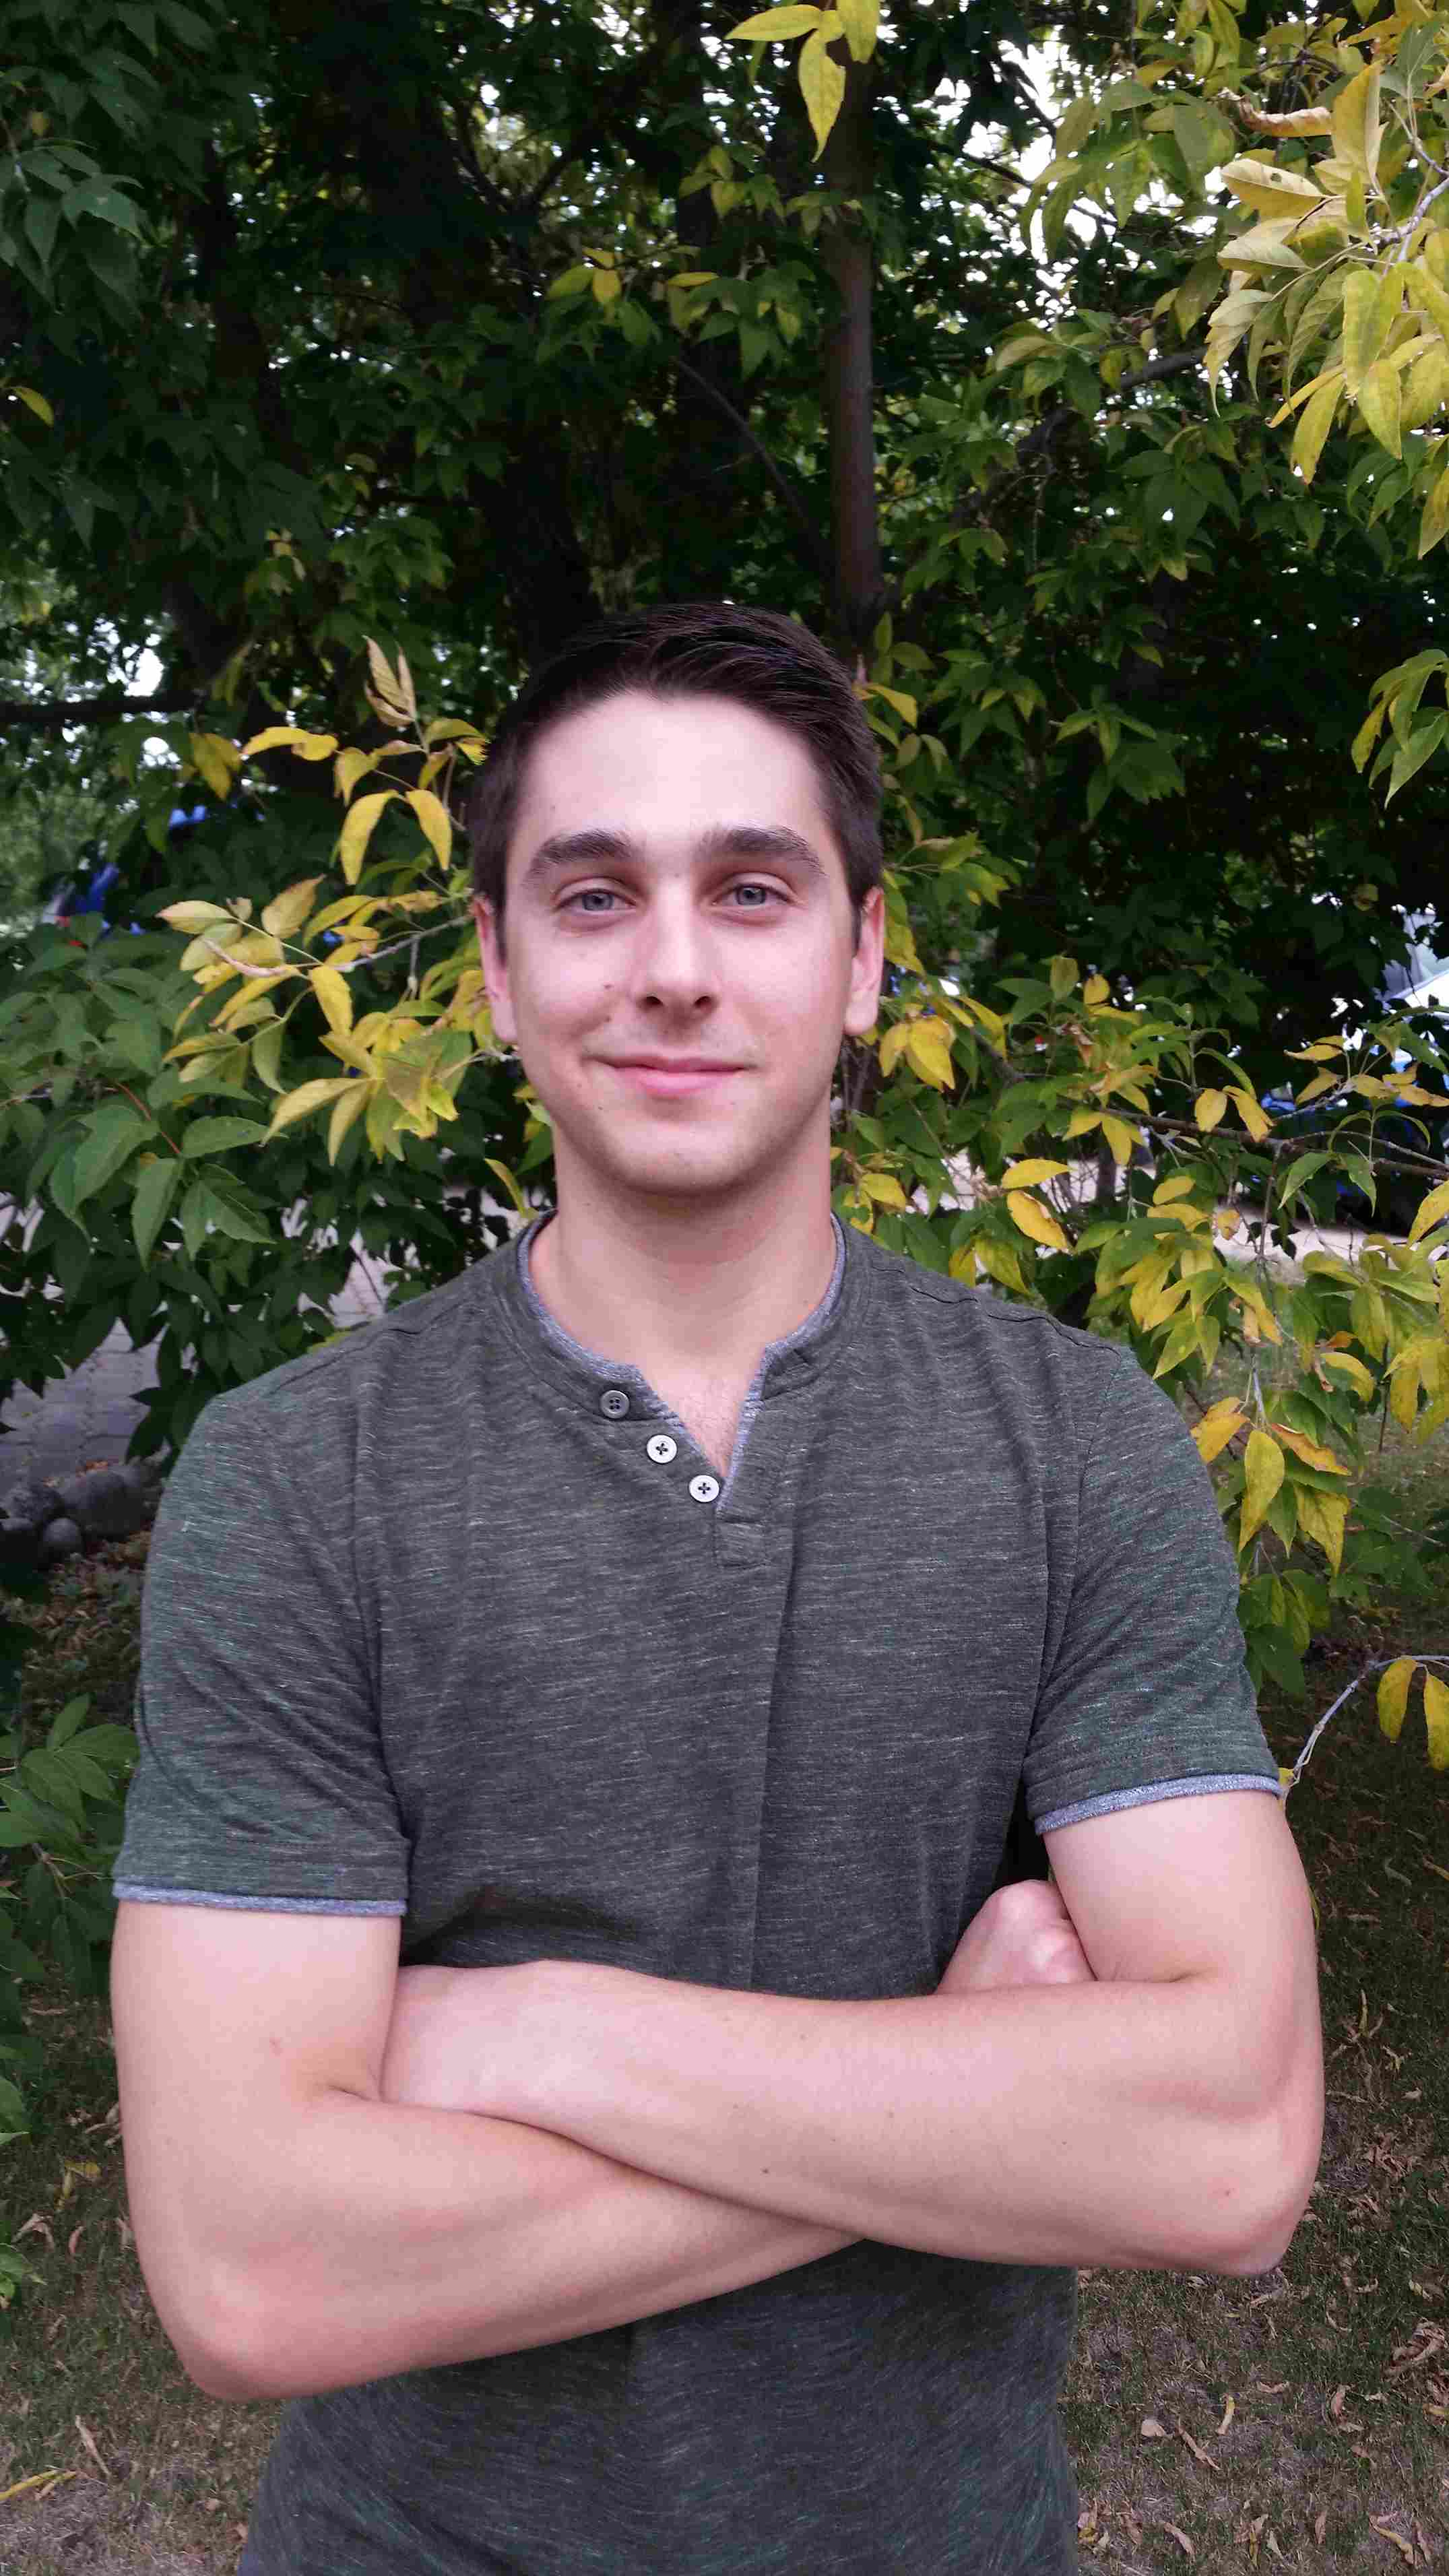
(849, 168)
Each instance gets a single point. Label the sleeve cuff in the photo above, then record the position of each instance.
(1113, 1799)
(126, 1891)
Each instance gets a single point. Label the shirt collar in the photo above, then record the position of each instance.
(787, 1362)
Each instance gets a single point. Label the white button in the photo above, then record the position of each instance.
(704, 1489)
(661, 1448)
(614, 1402)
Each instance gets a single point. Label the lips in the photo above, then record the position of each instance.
(672, 1078)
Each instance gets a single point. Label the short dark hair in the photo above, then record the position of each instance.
(702, 649)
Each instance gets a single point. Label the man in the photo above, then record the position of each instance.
(662, 1621)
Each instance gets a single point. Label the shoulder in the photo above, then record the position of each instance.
(1022, 1340)
(405, 1366)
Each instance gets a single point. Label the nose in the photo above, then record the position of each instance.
(674, 964)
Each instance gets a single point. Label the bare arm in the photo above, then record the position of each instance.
(298, 2232)
(1166, 2114)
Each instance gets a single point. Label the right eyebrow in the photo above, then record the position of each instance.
(593, 847)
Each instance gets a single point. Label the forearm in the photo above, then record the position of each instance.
(389, 2238)
(1098, 2123)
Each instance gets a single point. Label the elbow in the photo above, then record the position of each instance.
(222, 2341)
(1274, 2165)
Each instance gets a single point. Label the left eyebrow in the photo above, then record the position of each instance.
(768, 843)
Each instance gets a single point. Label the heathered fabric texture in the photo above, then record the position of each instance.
(427, 1630)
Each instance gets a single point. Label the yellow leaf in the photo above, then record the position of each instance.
(217, 761)
(1393, 1695)
(1216, 1429)
(1324, 1517)
(1353, 1369)
(1381, 402)
(348, 767)
(1120, 1137)
(357, 831)
(1035, 1220)
(860, 19)
(301, 1103)
(510, 1184)
(1001, 1264)
(1315, 422)
(1430, 1212)
(1063, 974)
(962, 1264)
(1436, 1718)
(900, 699)
(773, 25)
(893, 1045)
(286, 912)
(1271, 192)
(822, 86)
(928, 1052)
(37, 403)
(1263, 1472)
(1312, 1452)
(335, 995)
(1436, 516)
(189, 918)
(347, 1108)
(435, 819)
(607, 284)
(884, 1188)
(1210, 1108)
(1254, 1118)
(1096, 989)
(1356, 123)
(1178, 1187)
(1029, 1175)
(1321, 1082)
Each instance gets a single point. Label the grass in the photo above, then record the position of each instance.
(1299, 2420)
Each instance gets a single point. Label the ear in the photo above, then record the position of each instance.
(867, 967)
(495, 972)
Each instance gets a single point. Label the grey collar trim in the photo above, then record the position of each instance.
(621, 1372)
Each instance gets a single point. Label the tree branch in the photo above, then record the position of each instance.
(55, 714)
(814, 543)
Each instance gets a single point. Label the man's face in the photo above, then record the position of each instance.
(681, 955)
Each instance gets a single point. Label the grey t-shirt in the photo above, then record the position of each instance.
(453, 1620)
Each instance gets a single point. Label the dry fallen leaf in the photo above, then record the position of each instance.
(1229, 2411)
(89, 2439)
(1198, 2452)
(1320, 2526)
(1152, 2431)
(1404, 2547)
(1181, 2538)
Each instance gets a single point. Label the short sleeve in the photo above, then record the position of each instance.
(261, 1779)
(1147, 1695)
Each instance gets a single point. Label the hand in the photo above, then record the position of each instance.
(1022, 1936)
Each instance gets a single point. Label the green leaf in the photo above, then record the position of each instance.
(219, 1135)
(151, 1205)
(1371, 306)
(1410, 756)
(1380, 400)
(112, 1136)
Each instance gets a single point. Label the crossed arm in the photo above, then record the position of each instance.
(395, 2170)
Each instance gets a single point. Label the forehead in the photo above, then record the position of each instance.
(668, 773)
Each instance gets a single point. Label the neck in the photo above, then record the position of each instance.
(674, 1287)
